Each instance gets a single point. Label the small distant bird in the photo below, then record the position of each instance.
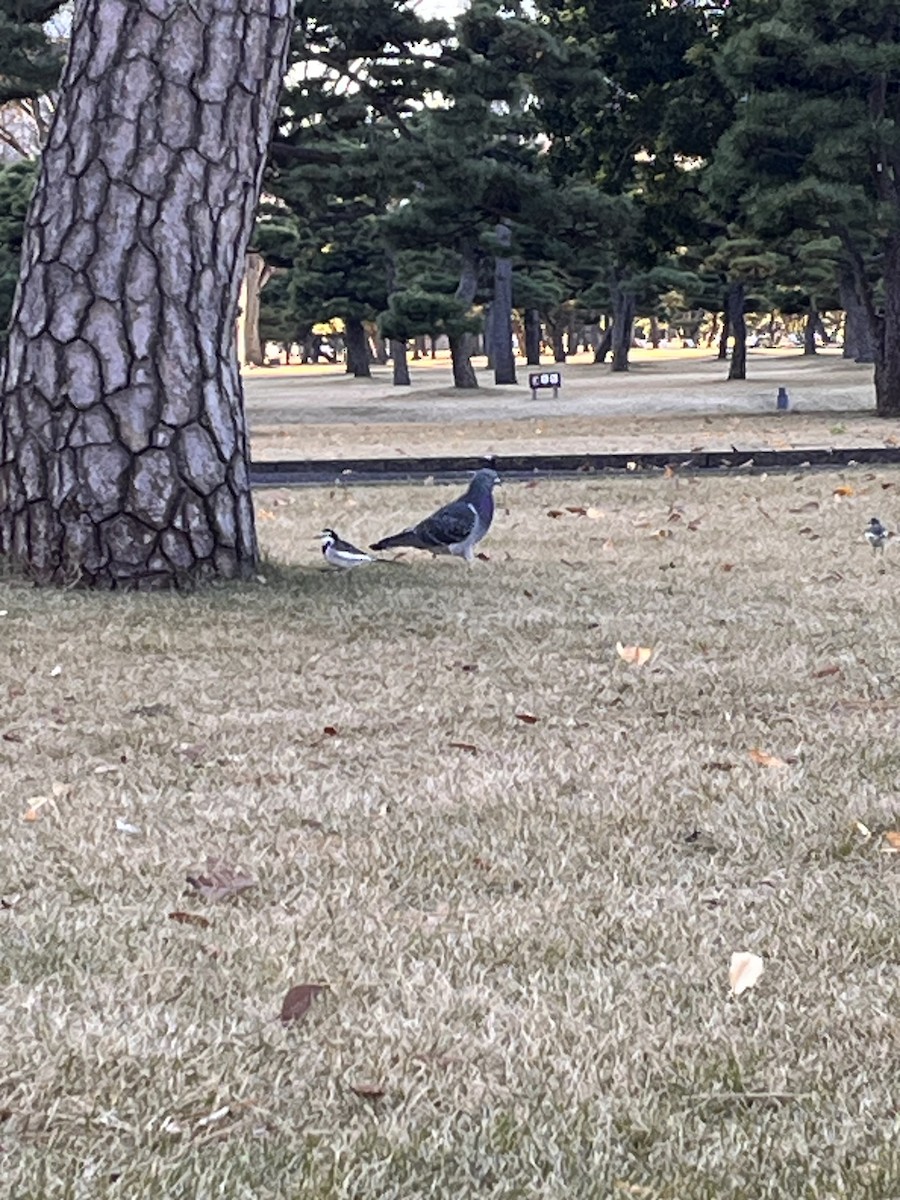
(458, 527)
(876, 535)
(342, 554)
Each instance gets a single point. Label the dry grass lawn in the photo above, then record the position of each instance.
(525, 945)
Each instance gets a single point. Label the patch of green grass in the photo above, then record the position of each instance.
(526, 947)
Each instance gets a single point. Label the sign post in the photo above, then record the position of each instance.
(540, 380)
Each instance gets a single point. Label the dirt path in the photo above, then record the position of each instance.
(677, 399)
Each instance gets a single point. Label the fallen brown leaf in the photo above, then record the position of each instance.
(844, 490)
(467, 746)
(298, 999)
(726, 567)
(809, 506)
(555, 512)
(831, 669)
(186, 918)
(330, 731)
(717, 766)
(12, 735)
(892, 837)
(367, 1091)
(527, 718)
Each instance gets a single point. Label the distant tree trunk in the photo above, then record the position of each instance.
(809, 330)
(487, 336)
(571, 334)
(401, 368)
(655, 336)
(714, 332)
(381, 350)
(735, 312)
(532, 337)
(622, 326)
(256, 275)
(357, 349)
(725, 330)
(123, 446)
(461, 343)
(886, 334)
(604, 346)
(858, 343)
(418, 348)
(501, 308)
(559, 346)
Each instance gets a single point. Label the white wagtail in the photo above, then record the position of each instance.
(876, 535)
(458, 527)
(339, 553)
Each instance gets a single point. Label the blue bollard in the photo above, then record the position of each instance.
(783, 401)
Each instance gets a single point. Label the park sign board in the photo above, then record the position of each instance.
(539, 380)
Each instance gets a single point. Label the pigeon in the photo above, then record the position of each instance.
(458, 527)
(876, 535)
(342, 554)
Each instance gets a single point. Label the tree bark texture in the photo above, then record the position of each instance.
(532, 337)
(624, 305)
(501, 308)
(401, 367)
(735, 319)
(357, 349)
(123, 446)
(461, 343)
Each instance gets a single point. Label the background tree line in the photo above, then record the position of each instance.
(553, 173)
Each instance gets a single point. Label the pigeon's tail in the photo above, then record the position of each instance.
(406, 538)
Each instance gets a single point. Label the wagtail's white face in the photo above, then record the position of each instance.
(326, 536)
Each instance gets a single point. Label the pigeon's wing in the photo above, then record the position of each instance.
(449, 526)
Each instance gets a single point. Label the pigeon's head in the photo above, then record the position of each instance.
(327, 536)
(874, 523)
(486, 479)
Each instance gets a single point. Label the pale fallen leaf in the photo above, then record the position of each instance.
(126, 826)
(219, 881)
(219, 1115)
(745, 971)
(766, 760)
(57, 670)
(636, 656)
(660, 534)
(35, 804)
(863, 829)
(892, 837)
(368, 1091)
(469, 747)
(59, 789)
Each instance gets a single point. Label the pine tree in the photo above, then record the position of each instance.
(123, 448)
(814, 145)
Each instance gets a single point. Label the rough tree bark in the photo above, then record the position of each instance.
(461, 343)
(532, 337)
(734, 300)
(604, 346)
(886, 334)
(123, 447)
(623, 304)
(501, 308)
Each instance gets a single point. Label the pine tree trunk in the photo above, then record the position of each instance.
(655, 337)
(532, 337)
(401, 367)
(809, 331)
(123, 446)
(858, 343)
(381, 351)
(357, 349)
(501, 308)
(487, 337)
(724, 331)
(256, 276)
(622, 326)
(735, 313)
(887, 331)
(559, 346)
(461, 344)
(604, 346)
